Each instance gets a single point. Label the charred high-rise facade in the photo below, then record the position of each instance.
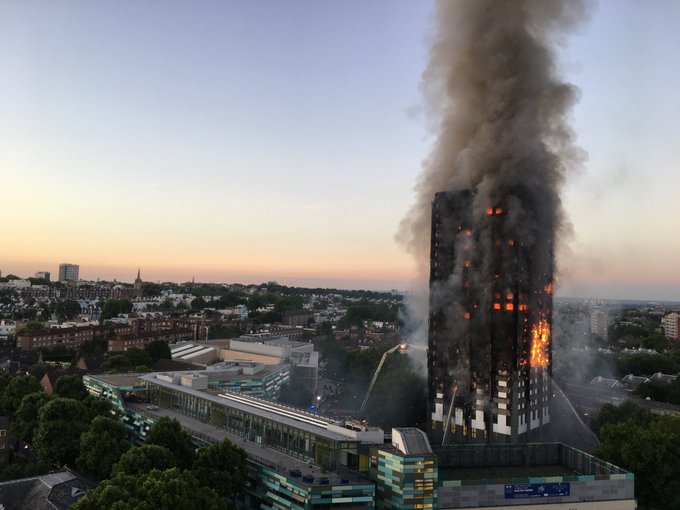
(489, 355)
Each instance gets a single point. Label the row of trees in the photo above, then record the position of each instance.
(167, 472)
(369, 310)
(138, 360)
(646, 445)
(51, 425)
(74, 428)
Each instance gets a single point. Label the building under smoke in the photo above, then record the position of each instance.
(489, 355)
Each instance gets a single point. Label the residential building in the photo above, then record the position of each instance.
(56, 490)
(7, 328)
(70, 338)
(45, 275)
(599, 322)
(68, 272)
(124, 342)
(671, 325)
(489, 339)
(297, 318)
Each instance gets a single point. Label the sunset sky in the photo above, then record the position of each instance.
(246, 141)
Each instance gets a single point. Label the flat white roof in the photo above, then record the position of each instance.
(196, 353)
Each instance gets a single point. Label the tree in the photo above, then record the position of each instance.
(70, 386)
(65, 310)
(39, 370)
(398, 397)
(172, 488)
(97, 407)
(652, 452)
(16, 390)
(221, 467)
(32, 327)
(113, 307)
(138, 461)
(102, 446)
(628, 411)
(168, 432)
(151, 289)
(158, 349)
(62, 421)
(118, 363)
(198, 304)
(26, 416)
(138, 357)
(94, 347)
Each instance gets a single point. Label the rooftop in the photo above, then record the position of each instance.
(411, 441)
(118, 380)
(274, 459)
(294, 417)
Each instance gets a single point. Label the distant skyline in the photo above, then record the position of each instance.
(252, 141)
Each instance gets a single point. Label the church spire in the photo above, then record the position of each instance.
(138, 280)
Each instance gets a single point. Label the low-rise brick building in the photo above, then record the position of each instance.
(70, 338)
(123, 343)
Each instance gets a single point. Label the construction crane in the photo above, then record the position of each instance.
(376, 373)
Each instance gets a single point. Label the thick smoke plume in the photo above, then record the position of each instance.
(499, 109)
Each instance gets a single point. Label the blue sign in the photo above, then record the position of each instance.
(536, 490)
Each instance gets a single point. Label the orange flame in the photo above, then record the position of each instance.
(540, 340)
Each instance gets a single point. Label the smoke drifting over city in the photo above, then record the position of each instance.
(499, 108)
(488, 209)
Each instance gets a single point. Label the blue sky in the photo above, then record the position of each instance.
(260, 140)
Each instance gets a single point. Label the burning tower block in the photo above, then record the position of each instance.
(489, 355)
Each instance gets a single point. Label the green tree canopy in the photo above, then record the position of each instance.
(158, 349)
(138, 357)
(652, 452)
(32, 327)
(65, 310)
(168, 432)
(171, 489)
(628, 411)
(61, 422)
(102, 446)
(26, 416)
(94, 347)
(221, 467)
(198, 304)
(142, 460)
(117, 363)
(369, 310)
(17, 388)
(398, 398)
(113, 307)
(97, 407)
(70, 386)
(151, 289)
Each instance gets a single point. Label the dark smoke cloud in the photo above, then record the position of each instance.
(499, 109)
